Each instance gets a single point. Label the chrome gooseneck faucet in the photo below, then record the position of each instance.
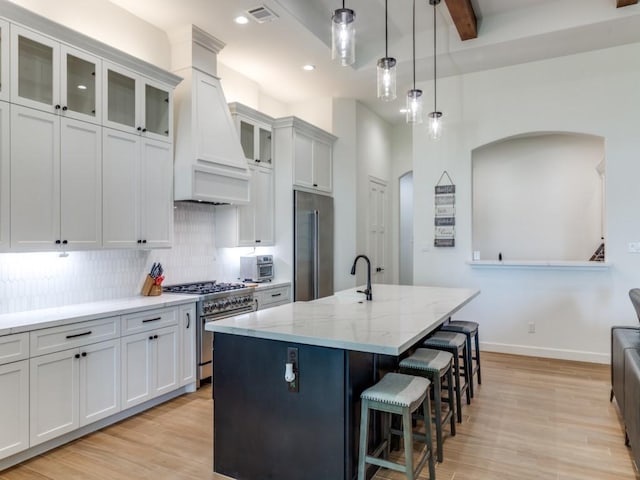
(367, 291)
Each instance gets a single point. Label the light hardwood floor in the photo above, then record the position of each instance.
(532, 419)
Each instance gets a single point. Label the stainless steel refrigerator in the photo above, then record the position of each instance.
(312, 246)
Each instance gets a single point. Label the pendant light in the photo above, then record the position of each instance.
(435, 117)
(414, 96)
(343, 36)
(386, 67)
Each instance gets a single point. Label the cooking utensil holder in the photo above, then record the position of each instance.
(149, 288)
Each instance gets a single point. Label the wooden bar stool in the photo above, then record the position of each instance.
(456, 344)
(398, 394)
(435, 365)
(470, 329)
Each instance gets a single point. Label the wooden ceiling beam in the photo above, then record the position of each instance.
(465, 18)
(626, 3)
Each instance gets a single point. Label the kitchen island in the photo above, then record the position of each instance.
(268, 428)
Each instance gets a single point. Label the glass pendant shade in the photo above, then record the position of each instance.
(387, 79)
(414, 106)
(343, 36)
(435, 125)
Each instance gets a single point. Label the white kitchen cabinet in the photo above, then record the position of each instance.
(254, 130)
(77, 386)
(187, 315)
(309, 150)
(137, 201)
(5, 91)
(136, 104)
(5, 178)
(268, 296)
(55, 182)
(150, 365)
(252, 224)
(50, 76)
(14, 407)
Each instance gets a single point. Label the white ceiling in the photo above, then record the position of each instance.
(272, 54)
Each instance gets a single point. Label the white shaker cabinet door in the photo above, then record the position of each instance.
(53, 395)
(302, 160)
(121, 189)
(263, 204)
(81, 185)
(188, 344)
(35, 179)
(165, 360)
(136, 369)
(157, 194)
(14, 408)
(322, 166)
(5, 180)
(4, 61)
(99, 381)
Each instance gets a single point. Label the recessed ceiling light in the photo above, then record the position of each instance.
(241, 20)
(308, 67)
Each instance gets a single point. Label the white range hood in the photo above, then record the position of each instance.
(210, 166)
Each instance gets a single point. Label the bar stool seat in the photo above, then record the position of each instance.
(399, 394)
(456, 344)
(470, 329)
(435, 365)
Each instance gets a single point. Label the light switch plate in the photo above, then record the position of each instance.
(634, 247)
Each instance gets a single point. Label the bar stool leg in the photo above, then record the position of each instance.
(437, 398)
(364, 428)
(478, 357)
(456, 367)
(452, 419)
(467, 374)
(429, 439)
(470, 364)
(407, 430)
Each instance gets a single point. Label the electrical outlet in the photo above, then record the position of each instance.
(634, 247)
(292, 357)
(532, 327)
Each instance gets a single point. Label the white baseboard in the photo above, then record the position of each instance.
(575, 355)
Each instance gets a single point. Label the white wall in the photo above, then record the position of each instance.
(594, 93)
(538, 197)
(402, 153)
(107, 23)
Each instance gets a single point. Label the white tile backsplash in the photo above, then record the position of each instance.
(41, 280)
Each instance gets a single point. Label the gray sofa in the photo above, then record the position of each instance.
(625, 376)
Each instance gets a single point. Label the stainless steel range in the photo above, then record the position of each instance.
(217, 301)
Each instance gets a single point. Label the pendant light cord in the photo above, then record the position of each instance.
(435, 75)
(414, 44)
(386, 32)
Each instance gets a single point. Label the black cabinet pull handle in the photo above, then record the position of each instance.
(258, 241)
(276, 294)
(188, 319)
(315, 184)
(151, 319)
(83, 334)
(257, 160)
(77, 355)
(84, 354)
(144, 130)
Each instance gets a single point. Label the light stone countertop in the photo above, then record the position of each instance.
(51, 317)
(396, 318)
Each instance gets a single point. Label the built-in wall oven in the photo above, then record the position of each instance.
(217, 301)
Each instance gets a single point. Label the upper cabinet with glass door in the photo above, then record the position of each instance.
(4, 61)
(135, 104)
(53, 77)
(254, 129)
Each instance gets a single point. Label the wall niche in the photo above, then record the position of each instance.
(539, 197)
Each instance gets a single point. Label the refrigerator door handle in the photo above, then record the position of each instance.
(316, 254)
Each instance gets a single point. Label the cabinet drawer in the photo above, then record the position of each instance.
(273, 296)
(55, 339)
(14, 347)
(148, 320)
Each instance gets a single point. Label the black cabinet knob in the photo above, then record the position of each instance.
(151, 337)
(139, 129)
(77, 355)
(57, 242)
(84, 354)
(139, 241)
(64, 242)
(144, 130)
(155, 336)
(64, 109)
(57, 107)
(315, 184)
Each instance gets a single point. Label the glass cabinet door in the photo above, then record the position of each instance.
(4, 60)
(265, 146)
(156, 111)
(34, 69)
(80, 85)
(120, 99)
(247, 139)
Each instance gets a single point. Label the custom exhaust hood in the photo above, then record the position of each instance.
(209, 165)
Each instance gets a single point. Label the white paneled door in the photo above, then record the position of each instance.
(377, 229)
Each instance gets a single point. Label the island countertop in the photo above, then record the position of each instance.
(396, 318)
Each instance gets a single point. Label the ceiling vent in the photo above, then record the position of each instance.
(262, 14)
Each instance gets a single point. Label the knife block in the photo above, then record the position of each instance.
(149, 288)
